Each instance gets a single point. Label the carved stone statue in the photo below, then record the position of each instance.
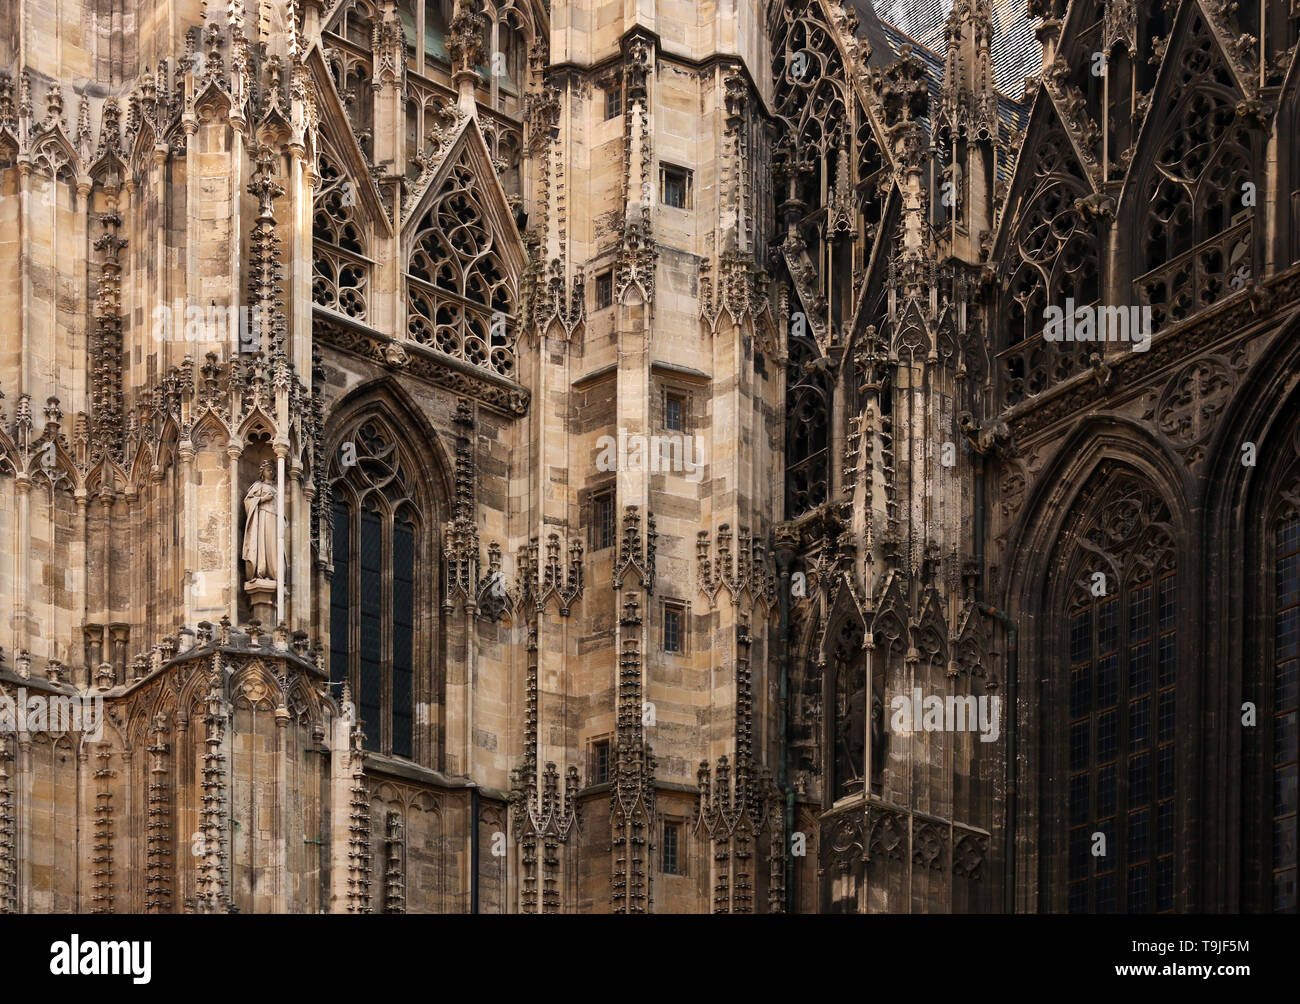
(851, 737)
(261, 560)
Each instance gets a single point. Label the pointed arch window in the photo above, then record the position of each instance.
(340, 268)
(1052, 256)
(1120, 679)
(460, 296)
(374, 586)
(811, 95)
(826, 156)
(1284, 721)
(1052, 260)
(1195, 241)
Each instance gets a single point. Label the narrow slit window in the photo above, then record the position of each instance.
(674, 628)
(602, 535)
(600, 761)
(605, 289)
(672, 849)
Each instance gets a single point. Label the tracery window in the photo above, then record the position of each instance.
(1051, 261)
(340, 269)
(810, 92)
(808, 404)
(461, 298)
(377, 538)
(1121, 676)
(1196, 234)
(827, 152)
(1053, 255)
(1284, 753)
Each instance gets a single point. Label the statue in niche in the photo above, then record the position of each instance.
(851, 734)
(260, 552)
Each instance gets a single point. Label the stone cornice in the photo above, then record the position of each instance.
(420, 362)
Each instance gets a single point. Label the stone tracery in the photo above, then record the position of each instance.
(461, 298)
(1197, 237)
(341, 270)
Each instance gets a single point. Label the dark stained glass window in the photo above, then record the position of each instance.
(373, 587)
(371, 688)
(1120, 706)
(1286, 706)
(340, 594)
(403, 635)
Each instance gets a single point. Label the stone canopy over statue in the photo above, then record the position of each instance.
(261, 560)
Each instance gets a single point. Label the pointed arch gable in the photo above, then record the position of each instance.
(889, 621)
(1192, 139)
(54, 465)
(53, 150)
(469, 149)
(332, 122)
(1046, 253)
(1044, 117)
(110, 164)
(463, 262)
(930, 633)
(1193, 53)
(344, 246)
(843, 608)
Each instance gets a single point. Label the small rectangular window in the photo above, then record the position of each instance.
(674, 412)
(605, 289)
(675, 186)
(602, 521)
(672, 846)
(613, 103)
(674, 624)
(600, 761)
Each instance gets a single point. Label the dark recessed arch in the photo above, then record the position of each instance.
(1106, 462)
(1251, 518)
(390, 485)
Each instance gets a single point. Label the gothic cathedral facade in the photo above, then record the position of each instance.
(504, 456)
